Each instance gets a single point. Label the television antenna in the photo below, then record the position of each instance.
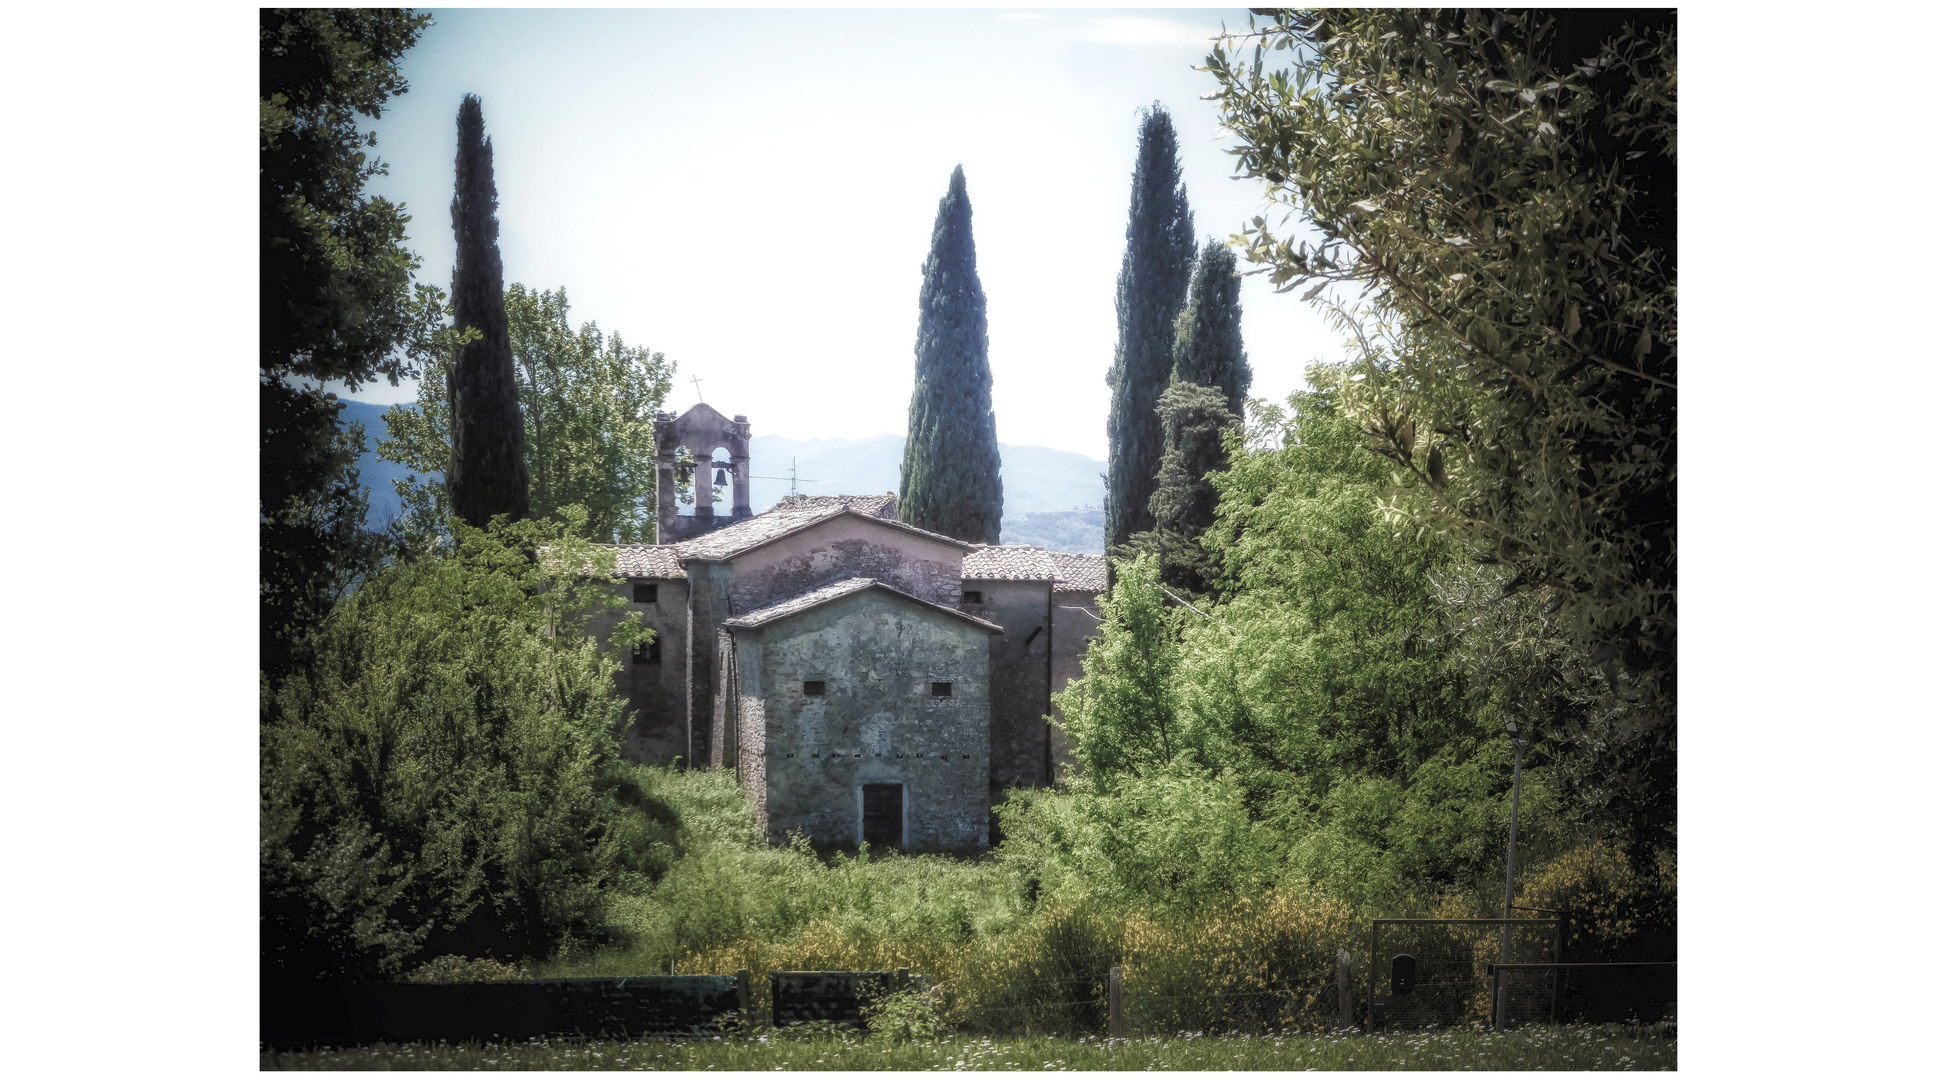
(793, 477)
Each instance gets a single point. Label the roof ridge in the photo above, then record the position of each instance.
(813, 598)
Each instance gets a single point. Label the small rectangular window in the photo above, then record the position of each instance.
(815, 688)
(941, 689)
(647, 653)
(645, 594)
(971, 596)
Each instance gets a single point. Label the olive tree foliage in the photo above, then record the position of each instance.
(588, 401)
(1499, 188)
(441, 777)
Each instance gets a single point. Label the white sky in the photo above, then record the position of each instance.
(751, 193)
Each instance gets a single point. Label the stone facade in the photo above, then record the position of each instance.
(854, 685)
(750, 608)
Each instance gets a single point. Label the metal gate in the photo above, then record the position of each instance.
(1434, 972)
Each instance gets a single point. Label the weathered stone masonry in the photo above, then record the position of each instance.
(748, 607)
(902, 698)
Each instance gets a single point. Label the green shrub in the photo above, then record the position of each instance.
(445, 777)
(464, 969)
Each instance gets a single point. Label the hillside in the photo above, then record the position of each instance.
(1050, 497)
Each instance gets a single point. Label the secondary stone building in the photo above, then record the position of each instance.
(865, 679)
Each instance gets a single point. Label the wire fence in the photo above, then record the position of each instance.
(1436, 972)
(1249, 971)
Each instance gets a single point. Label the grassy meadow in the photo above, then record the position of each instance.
(1599, 1048)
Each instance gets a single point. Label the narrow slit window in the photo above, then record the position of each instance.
(942, 689)
(646, 652)
(972, 596)
(815, 688)
(645, 594)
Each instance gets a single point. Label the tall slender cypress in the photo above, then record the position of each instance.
(1210, 348)
(1206, 396)
(951, 470)
(487, 475)
(1151, 289)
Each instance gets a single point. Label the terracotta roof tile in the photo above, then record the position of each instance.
(881, 506)
(1077, 572)
(830, 593)
(764, 528)
(650, 561)
(1008, 562)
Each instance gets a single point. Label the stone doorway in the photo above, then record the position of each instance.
(881, 815)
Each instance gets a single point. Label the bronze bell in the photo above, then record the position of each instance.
(719, 477)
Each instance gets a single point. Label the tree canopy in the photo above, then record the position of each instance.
(1204, 401)
(587, 399)
(1502, 187)
(440, 778)
(952, 479)
(1152, 286)
(336, 302)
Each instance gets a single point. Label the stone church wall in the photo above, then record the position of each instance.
(1077, 621)
(878, 722)
(841, 548)
(656, 692)
(1019, 691)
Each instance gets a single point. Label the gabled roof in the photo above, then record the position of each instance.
(763, 529)
(1077, 572)
(829, 594)
(881, 506)
(1008, 562)
(650, 561)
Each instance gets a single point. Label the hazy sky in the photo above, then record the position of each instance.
(751, 192)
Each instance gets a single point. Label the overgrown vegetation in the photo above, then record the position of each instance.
(1499, 187)
(444, 778)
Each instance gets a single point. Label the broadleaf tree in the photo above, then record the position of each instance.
(446, 778)
(1500, 188)
(952, 479)
(336, 301)
(1152, 285)
(588, 401)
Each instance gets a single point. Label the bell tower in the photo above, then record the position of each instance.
(701, 430)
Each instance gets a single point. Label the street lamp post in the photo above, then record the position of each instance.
(1519, 739)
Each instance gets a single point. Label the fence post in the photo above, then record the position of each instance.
(901, 979)
(1116, 1003)
(746, 980)
(1345, 989)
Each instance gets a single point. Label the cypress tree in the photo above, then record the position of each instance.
(951, 470)
(1210, 349)
(1151, 290)
(1209, 380)
(487, 475)
(1195, 420)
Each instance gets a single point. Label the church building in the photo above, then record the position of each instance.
(866, 680)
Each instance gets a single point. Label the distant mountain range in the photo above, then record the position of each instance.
(1052, 498)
